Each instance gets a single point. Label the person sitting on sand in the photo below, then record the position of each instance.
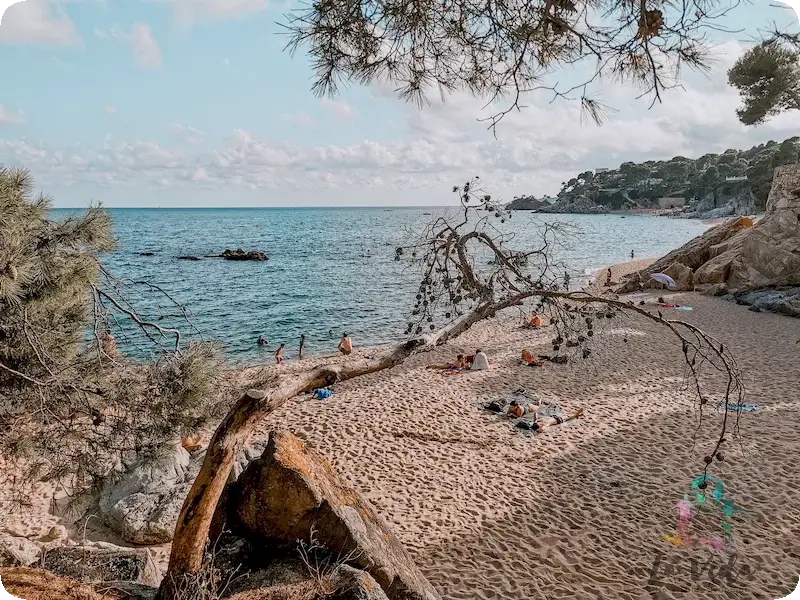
(545, 422)
(460, 363)
(279, 354)
(535, 322)
(480, 362)
(345, 345)
(527, 356)
(518, 410)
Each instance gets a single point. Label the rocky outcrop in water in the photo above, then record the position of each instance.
(527, 203)
(240, 254)
(579, 206)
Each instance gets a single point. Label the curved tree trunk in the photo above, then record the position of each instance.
(194, 522)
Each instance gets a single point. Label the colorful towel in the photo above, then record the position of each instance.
(738, 407)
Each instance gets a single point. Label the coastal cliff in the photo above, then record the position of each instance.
(734, 183)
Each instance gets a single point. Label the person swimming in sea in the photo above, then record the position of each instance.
(262, 341)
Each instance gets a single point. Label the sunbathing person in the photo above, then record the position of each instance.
(460, 363)
(545, 422)
(518, 410)
(535, 322)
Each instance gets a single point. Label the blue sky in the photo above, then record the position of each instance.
(194, 102)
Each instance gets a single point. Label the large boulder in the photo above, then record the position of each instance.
(102, 562)
(768, 254)
(739, 257)
(692, 255)
(292, 491)
(681, 275)
(143, 506)
(17, 551)
(35, 584)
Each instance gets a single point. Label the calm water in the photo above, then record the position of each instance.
(330, 270)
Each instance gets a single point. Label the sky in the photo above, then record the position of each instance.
(177, 103)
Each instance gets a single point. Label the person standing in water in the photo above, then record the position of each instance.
(345, 345)
(302, 345)
(279, 354)
(566, 280)
(262, 341)
(631, 254)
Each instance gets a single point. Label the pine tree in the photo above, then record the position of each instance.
(68, 409)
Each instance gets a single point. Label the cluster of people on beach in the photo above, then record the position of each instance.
(475, 362)
(345, 347)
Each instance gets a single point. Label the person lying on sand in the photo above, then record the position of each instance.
(460, 363)
(545, 422)
(518, 410)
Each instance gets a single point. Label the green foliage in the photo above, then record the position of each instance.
(768, 79)
(45, 271)
(69, 408)
(643, 184)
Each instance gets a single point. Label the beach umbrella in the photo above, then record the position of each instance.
(665, 279)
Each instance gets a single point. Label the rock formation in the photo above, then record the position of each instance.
(240, 254)
(291, 491)
(739, 258)
(527, 203)
(581, 206)
(100, 562)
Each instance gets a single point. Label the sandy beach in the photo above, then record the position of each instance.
(578, 511)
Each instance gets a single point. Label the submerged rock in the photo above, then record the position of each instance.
(188, 258)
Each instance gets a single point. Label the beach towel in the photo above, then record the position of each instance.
(737, 408)
(322, 393)
(675, 306)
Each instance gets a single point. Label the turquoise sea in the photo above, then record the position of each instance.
(330, 270)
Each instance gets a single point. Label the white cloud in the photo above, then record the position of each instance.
(189, 12)
(140, 37)
(442, 144)
(338, 108)
(10, 117)
(111, 110)
(187, 134)
(35, 22)
(145, 48)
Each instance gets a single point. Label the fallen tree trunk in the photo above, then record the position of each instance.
(194, 522)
